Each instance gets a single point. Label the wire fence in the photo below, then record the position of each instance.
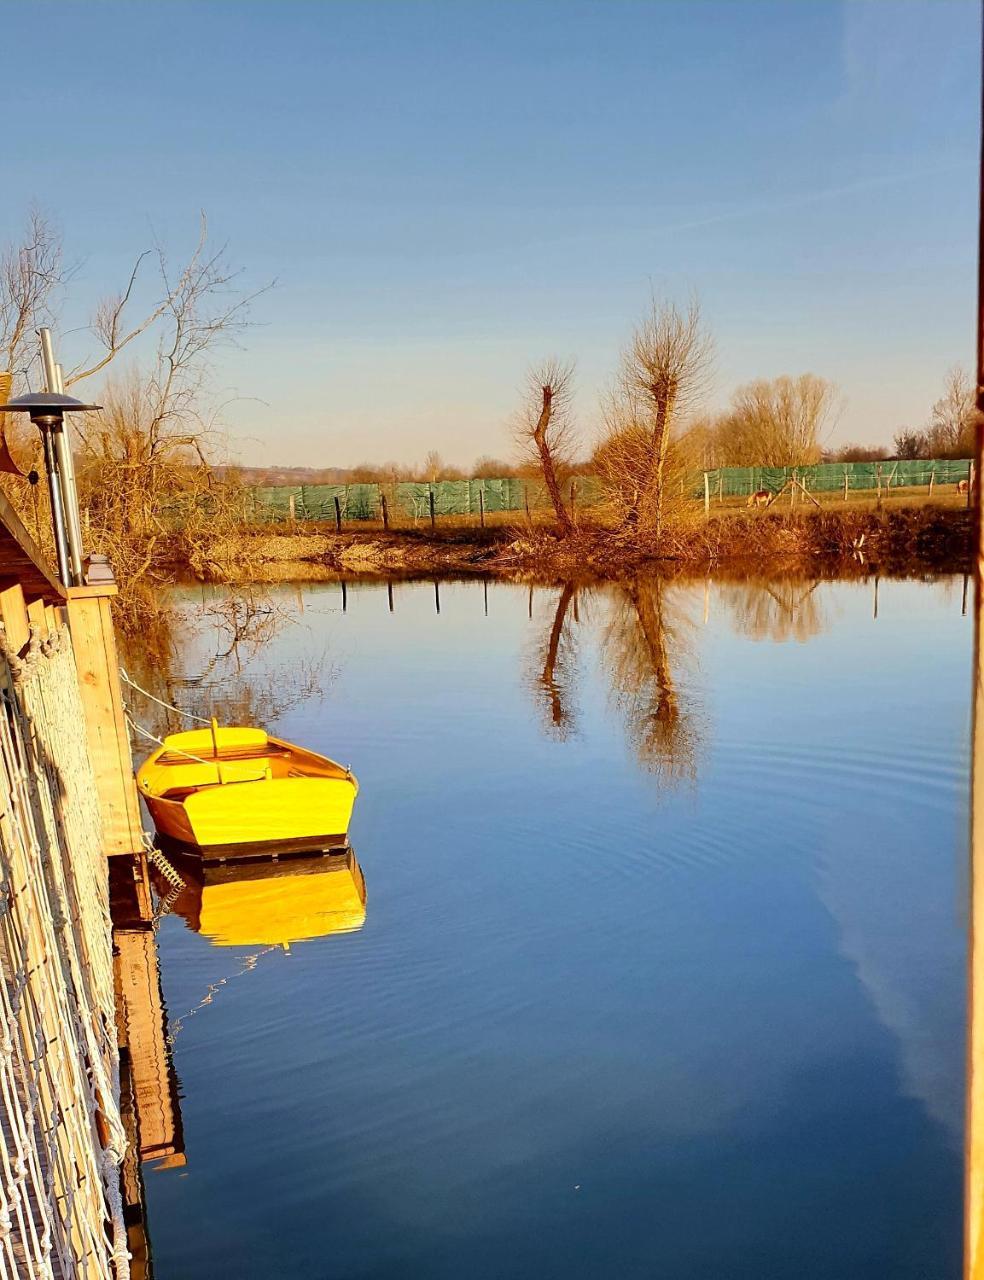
(417, 501)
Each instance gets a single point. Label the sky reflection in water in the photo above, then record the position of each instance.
(661, 967)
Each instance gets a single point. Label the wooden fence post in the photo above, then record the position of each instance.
(292, 507)
(932, 480)
(970, 485)
(386, 519)
(481, 506)
(573, 492)
(526, 499)
(720, 487)
(707, 494)
(338, 515)
(845, 484)
(430, 495)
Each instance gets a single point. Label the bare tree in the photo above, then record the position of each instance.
(951, 429)
(31, 273)
(664, 372)
(545, 429)
(780, 422)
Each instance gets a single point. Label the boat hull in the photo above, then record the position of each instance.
(265, 812)
(236, 802)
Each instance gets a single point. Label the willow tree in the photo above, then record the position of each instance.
(545, 430)
(664, 372)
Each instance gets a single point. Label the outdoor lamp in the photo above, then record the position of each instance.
(47, 410)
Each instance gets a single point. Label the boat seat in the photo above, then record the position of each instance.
(191, 774)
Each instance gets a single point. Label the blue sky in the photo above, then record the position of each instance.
(446, 192)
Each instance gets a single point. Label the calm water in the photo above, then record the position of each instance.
(661, 966)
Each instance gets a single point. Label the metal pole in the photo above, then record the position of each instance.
(70, 492)
(72, 528)
(55, 498)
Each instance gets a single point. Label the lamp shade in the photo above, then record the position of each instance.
(37, 403)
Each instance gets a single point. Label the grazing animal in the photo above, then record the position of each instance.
(962, 486)
(759, 498)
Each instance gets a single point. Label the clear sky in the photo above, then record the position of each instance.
(446, 192)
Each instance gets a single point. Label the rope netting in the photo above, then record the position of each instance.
(62, 1139)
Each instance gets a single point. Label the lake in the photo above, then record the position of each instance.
(660, 967)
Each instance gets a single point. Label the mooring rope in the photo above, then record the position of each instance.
(188, 755)
(169, 706)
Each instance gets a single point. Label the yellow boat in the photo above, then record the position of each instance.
(262, 904)
(235, 791)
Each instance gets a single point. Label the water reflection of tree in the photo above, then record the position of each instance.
(779, 611)
(225, 632)
(644, 643)
(555, 668)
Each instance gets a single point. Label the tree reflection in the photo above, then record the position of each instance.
(554, 680)
(643, 641)
(778, 611)
(643, 644)
(228, 631)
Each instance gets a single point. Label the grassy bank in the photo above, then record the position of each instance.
(902, 539)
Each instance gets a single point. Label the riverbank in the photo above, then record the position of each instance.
(907, 539)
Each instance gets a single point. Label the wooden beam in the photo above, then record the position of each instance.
(94, 643)
(21, 560)
(13, 610)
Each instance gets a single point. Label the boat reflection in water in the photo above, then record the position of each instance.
(274, 902)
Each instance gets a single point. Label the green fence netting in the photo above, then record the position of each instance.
(411, 499)
(830, 477)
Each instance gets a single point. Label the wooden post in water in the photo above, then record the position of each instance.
(707, 494)
(389, 595)
(338, 515)
(437, 595)
(344, 597)
(485, 595)
(481, 506)
(430, 497)
(386, 519)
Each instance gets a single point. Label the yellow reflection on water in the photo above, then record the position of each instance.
(272, 903)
